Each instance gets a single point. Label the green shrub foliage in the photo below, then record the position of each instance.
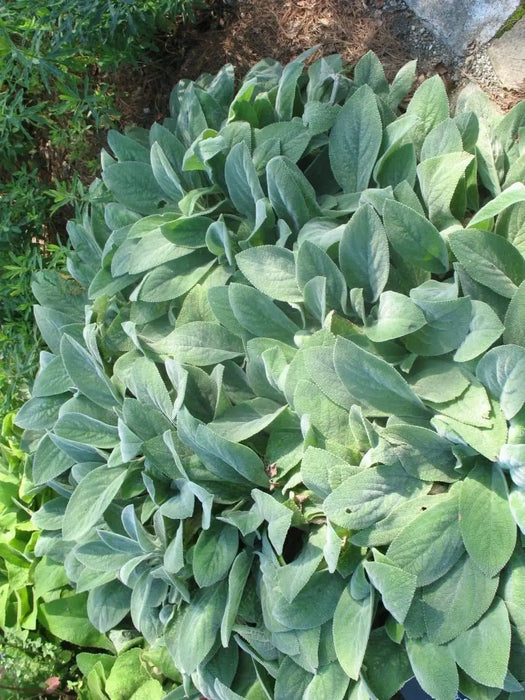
(282, 406)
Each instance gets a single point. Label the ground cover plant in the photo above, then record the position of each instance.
(282, 402)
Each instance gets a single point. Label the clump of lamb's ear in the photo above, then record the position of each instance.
(283, 404)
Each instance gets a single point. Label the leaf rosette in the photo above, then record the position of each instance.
(282, 408)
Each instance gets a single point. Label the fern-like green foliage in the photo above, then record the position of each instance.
(282, 406)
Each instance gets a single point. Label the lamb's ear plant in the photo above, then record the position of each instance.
(283, 403)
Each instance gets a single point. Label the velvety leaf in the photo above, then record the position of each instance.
(387, 665)
(414, 237)
(363, 253)
(457, 601)
(86, 374)
(49, 461)
(271, 270)
(514, 333)
(355, 141)
(199, 626)
(365, 498)
(236, 583)
(397, 587)
(487, 526)
(430, 105)
(242, 181)
(107, 605)
(214, 553)
(87, 430)
(312, 262)
(483, 650)
(351, 628)
(434, 667)
(501, 371)
(438, 179)
(490, 260)
(330, 681)
(314, 605)
(292, 196)
(373, 381)
(512, 195)
(396, 316)
(485, 328)
(431, 544)
(90, 499)
(258, 314)
(200, 343)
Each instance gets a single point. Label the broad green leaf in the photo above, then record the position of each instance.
(485, 328)
(401, 84)
(237, 578)
(351, 628)
(512, 195)
(107, 605)
(483, 650)
(199, 343)
(363, 253)
(40, 413)
(313, 606)
(431, 544)
(293, 577)
(259, 315)
(312, 262)
(200, 624)
(514, 332)
(387, 665)
(355, 141)
(374, 382)
(271, 270)
(86, 374)
(278, 516)
(369, 71)
(434, 667)
(396, 316)
(422, 453)
(330, 681)
(397, 587)
(438, 380)
(430, 105)
(365, 498)
(164, 173)
(214, 553)
(322, 472)
(486, 440)
(472, 407)
(447, 325)
(329, 418)
(186, 231)
(292, 196)
(457, 601)
(501, 371)
(444, 138)
(489, 259)
(90, 500)
(487, 526)
(242, 181)
(438, 178)
(49, 461)
(384, 531)
(67, 619)
(517, 507)
(414, 237)
(291, 680)
(134, 185)
(127, 675)
(248, 418)
(86, 430)
(51, 379)
(175, 278)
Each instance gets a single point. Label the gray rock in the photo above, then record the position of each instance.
(459, 22)
(507, 55)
